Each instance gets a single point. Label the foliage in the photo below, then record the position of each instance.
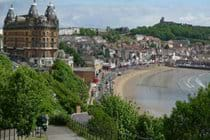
(112, 36)
(66, 98)
(153, 45)
(23, 99)
(167, 31)
(78, 61)
(26, 94)
(101, 124)
(72, 90)
(190, 120)
(59, 119)
(5, 72)
(149, 127)
(107, 53)
(124, 113)
(87, 32)
(5, 63)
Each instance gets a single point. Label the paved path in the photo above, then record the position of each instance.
(61, 133)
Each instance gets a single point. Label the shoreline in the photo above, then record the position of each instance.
(124, 85)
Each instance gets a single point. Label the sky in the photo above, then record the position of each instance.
(117, 13)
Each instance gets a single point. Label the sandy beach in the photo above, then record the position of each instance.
(157, 88)
(124, 85)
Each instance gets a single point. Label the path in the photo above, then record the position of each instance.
(61, 133)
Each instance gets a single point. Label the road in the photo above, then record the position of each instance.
(61, 133)
(106, 84)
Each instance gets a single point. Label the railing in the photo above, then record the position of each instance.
(83, 131)
(11, 134)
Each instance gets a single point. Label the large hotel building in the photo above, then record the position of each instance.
(32, 37)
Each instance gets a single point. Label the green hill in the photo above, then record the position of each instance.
(170, 30)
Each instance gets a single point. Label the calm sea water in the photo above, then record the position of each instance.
(158, 93)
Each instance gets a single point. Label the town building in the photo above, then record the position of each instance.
(1, 43)
(32, 37)
(69, 31)
(1, 32)
(88, 74)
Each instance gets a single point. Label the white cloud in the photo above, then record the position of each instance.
(115, 15)
(188, 18)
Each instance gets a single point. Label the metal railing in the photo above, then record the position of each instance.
(11, 134)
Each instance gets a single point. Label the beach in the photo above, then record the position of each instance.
(124, 84)
(156, 89)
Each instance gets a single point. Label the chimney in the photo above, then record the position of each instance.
(78, 109)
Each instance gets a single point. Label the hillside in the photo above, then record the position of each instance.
(170, 30)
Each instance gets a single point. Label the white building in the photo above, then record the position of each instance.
(69, 31)
(48, 62)
(1, 31)
(99, 40)
(1, 44)
(139, 37)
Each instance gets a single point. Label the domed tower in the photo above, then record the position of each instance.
(51, 14)
(33, 12)
(10, 15)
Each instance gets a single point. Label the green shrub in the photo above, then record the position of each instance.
(60, 119)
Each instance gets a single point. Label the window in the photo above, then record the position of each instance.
(42, 61)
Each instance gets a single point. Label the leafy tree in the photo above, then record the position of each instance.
(5, 63)
(23, 99)
(112, 36)
(153, 45)
(72, 86)
(190, 120)
(149, 127)
(5, 71)
(122, 112)
(101, 123)
(66, 98)
(107, 53)
(167, 31)
(71, 51)
(87, 32)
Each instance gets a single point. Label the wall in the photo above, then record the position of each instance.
(87, 76)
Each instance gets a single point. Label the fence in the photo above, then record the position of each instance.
(11, 134)
(83, 131)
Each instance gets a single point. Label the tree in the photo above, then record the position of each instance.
(73, 87)
(71, 51)
(87, 32)
(107, 53)
(124, 113)
(112, 36)
(101, 123)
(5, 71)
(5, 63)
(23, 99)
(167, 31)
(149, 127)
(66, 98)
(190, 120)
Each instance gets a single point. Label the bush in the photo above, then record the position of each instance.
(60, 119)
(124, 113)
(101, 123)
